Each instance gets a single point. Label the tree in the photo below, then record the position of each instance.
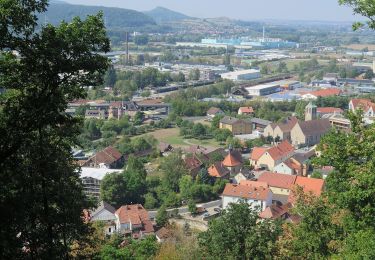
(112, 189)
(192, 206)
(110, 77)
(199, 131)
(245, 236)
(364, 8)
(282, 67)
(41, 196)
(162, 216)
(264, 69)
(194, 74)
(173, 168)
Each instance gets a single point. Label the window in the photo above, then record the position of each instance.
(109, 230)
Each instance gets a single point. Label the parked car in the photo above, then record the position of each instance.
(217, 210)
(206, 215)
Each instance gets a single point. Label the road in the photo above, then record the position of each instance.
(182, 210)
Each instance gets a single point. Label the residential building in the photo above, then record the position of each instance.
(322, 93)
(214, 111)
(106, 214)
(328, 111)
(365, 105)
(271, 156)
(280, 184)
(340, 122)
(133, 220)
(259, 124)
(235, 125)
(257, 197)
(241, 75)
(282, 130)
(246, 111)
(310, 186)
(96, 113)
(109, 158)
(193, 164)
(292, 167)
(309, 133)
(282, 212)
(331, 77)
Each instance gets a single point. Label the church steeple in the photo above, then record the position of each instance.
(310, 112)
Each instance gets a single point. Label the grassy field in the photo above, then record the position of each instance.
(359, 47)
(172, 136)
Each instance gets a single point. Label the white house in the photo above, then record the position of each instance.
(106, 213)
(257, 197)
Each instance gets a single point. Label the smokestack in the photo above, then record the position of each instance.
(127, 47)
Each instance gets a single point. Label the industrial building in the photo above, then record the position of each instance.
(263, 90)
(242, 75)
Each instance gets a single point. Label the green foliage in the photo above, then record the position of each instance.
(162, 216)
(245, 236)
(41, 195)
(194, 74)
(127, 187)
(173, 168)
(141, 39)
(192, 206)
(364, 8)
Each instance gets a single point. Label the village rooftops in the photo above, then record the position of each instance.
(233, 159)
(314, 127)
(281, 150)
(227, 120)
(218, 170)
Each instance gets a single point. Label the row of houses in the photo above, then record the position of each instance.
(273, 194)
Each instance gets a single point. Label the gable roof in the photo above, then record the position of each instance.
(315, 127)
(228, 120)
(275, 211)
(329, 110)
(192, 162)
(107, 156)
(257, 153)
(134, 214)
(280, 150)
(246, 109)
(364, 104)
(326, 92)
(288, 125)
(255, 184)
(246, 192)
(260, 121)
(214, 111)
(310, 185)
(278, 180)
(218, 170)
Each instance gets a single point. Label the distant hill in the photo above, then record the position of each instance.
(161, 14)
(114, 17)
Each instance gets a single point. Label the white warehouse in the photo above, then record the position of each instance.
(242, 75)
(263, 90)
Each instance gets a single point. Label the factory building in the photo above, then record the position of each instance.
(263, 90)
(242, 75)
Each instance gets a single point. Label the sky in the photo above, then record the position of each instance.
(309, 10)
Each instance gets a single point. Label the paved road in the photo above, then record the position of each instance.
(182, 210)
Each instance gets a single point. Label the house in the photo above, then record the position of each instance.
(310, 186)
(206, 153)
(259, 124)
(246, 111)
(106, 214)
(133, 220)
(340, 122)
(292, 167)
(282, 130)
(214, 111)
(271, 156)
(218, 170)
(193, 164)
(309, 133)
(96, 113)
(235, 125)
(233, 162)
(331, 77)
(257, 197)
(322, 93)
(365, 105)
(163, 234)
(109, 158)
(280, 184)
(324, 111)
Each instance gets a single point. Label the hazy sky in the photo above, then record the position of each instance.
(325, 10)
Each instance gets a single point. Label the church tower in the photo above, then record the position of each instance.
(310, 112)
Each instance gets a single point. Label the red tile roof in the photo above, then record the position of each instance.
(218, 170)
(232, 159)
(281, 150)
(278, 180)
(107, 156)
(275, 211)
(326, 92)
(214, 111)
(246, 110)
(192, 162)
(136, 215)
(329, 110)
(257, 153)
(364, 104)
(246, 192)
(256, 184)
(315, 186)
